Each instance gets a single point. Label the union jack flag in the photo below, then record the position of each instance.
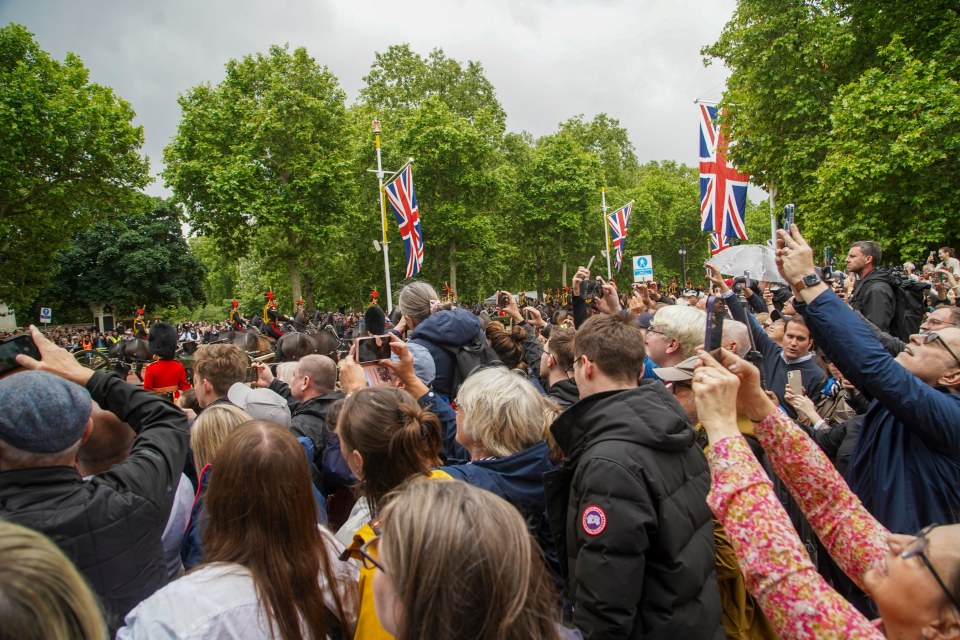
(403, 201)
(717, 244)
(618, 221)
(723, 189)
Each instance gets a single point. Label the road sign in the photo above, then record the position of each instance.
(46, 313)
(642, 268)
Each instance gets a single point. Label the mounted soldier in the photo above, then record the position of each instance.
(271, 317)
(140, 324)
(237, 321)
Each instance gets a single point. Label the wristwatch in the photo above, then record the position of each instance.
(809, 280)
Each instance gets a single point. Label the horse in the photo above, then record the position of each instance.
(251, 341)
(130, 351)
(294, 345)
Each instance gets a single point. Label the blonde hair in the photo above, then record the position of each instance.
(415, 298)
(211, 428)
(503, 411)
(684, 324)
(42, 595)
(464, 565)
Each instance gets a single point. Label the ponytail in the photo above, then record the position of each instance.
(395, 436)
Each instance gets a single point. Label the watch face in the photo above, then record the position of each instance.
(811, 279)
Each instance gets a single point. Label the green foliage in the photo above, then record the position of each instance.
(264, 150)
(849, 109)
(140, 260)
(70, 158)
(609, 142)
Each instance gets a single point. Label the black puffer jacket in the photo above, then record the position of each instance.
(629, 508)
(110, 527)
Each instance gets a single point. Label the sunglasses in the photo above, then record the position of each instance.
(934, 337)
(371, 563)
(917, 549)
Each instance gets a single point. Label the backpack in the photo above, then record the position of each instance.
(909, 295)
(468, 358)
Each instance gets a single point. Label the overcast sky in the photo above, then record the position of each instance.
(637, 60)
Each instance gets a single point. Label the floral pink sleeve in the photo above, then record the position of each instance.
(778, 572)
(853, 537)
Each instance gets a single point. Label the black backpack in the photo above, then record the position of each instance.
(468, 358)
(908, 315)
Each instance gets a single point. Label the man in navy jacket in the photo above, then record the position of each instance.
(906, 464)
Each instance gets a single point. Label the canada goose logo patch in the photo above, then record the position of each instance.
(594, 520)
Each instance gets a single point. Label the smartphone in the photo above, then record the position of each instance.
(11, 347)
(828, 256)
(795, 382)
(369, 351)
(747, 282)
(590, 289)
(503, 299)
(788, 214)
(713, 336)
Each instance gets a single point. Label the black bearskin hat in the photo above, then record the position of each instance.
(162, 340)
(375, 321)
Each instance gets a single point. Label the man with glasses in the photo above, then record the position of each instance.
(905, 466)
(628, 507)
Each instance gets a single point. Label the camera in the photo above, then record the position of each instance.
(12, 347)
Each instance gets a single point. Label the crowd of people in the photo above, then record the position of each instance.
(756, 460)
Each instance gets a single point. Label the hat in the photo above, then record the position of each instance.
(41, 412)
(423, 363)
(644, 320)
(162, 340)
(679, 372)
(261, 404)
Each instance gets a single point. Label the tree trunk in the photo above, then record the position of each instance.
(563, 276)
(308, 283)
(293, 269)
(453, 265)
(539, 272)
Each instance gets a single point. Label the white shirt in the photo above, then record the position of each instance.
(220, 601)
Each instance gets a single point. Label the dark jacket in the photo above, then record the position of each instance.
(629, 515)
(308, 419)
(565, 392)
(905, 467)
(453, 328)
(110, 527)
(874, 297)
(775, 368)
(518, 479)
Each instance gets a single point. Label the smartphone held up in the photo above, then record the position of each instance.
(11, 348)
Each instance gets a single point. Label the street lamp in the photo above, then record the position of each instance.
(683, 265)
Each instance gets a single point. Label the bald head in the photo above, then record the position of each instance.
(320, 373)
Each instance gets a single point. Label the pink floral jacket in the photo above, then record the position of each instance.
(777, 569)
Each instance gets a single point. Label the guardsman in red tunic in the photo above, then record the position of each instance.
(166, 375)
(237, 321)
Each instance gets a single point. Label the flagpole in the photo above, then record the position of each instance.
(383, 218)
(606, 228)
(773, 216)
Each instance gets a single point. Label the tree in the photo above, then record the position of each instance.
(848, 108)
(609, 142)
(559, 190)
(70, 158)
(140, 260)
(445, 115)
(264, 150)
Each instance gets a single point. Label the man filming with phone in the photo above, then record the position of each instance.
(794, 355)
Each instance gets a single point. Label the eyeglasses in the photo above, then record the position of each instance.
(653, 329)
(369, 562)
(934, 337)
(917, 549)
(940, 322)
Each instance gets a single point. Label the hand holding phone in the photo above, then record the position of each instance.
(11, 348)
(795, 383)
(713, 335)
(788, 215)
(373, 349)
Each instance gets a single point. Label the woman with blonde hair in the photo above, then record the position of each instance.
(457, 562)
(269, 570)
(209, 430)
(501, 421)
(42, 595)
